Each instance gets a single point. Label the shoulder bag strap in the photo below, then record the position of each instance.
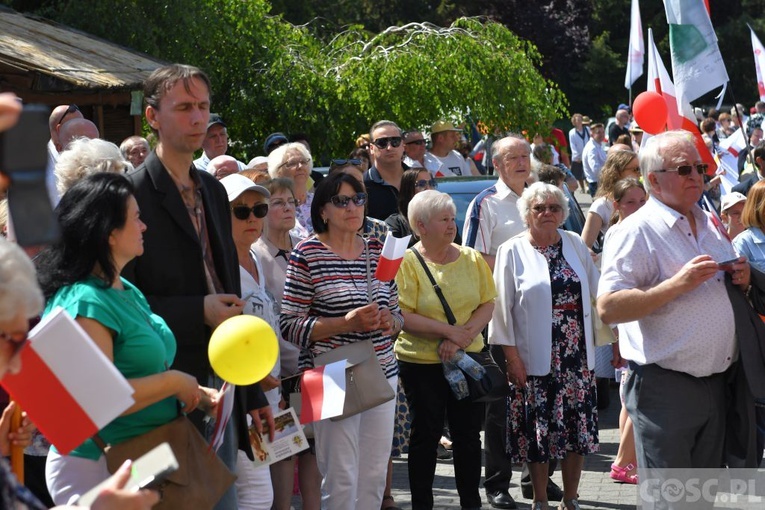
(447, 309)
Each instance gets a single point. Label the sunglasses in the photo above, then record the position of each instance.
(685, 170)
(422, 183)
(71, 109)
(242, 212)
(342, 201)
(343, 162)
(393, 141)
(541, 209)
(415, 142)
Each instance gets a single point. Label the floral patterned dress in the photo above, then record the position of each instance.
(557, 413)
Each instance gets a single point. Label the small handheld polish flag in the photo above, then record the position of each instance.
(391, 257)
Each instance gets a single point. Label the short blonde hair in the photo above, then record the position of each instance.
(537, 193)
(425, 204)
(85, 157)
(19, 290)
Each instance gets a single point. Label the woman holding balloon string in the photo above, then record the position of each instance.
(249, 207)
(327, 304)
(101, 231)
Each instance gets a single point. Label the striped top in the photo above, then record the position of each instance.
(321, 284)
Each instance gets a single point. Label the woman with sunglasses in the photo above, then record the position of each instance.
(545, 279)
(329, 303)
(372, 227)
(249, 207)
(413, 181)
(101, 231)
(293, 161)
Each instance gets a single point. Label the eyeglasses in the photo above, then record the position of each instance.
(415, 142)
(242, 212)
(343, 162)
(71, 109)
(422, 183)
(393, 141)
(294, 163)
(685, 170)
(541, 209)
(278, 203)
(342, 201)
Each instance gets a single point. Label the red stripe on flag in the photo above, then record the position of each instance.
(387, 269)
(49, 405)
(312, 395)
(733, 152)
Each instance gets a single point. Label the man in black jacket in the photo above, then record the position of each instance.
(189, 270)
(743, 187)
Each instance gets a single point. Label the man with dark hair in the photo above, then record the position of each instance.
(594, 157)
(189, 271)
(383, 179)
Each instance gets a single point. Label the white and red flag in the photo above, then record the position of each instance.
(322, 392)
(391, 257)
(67, 386)
(660, 82)
(759, 63)
(636, 48)
(697, 64)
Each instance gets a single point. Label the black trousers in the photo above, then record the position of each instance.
(430, 397)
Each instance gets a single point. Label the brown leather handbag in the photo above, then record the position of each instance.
(201, 478)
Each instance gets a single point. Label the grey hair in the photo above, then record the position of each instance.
(497, 146)
(537, 193)
(19, 290)
(130, 142)
(651, 155)
(86, 156)
(425, 204)
(279, 156)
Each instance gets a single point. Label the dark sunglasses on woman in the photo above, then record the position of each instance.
(422, 183)
(342, 201)
(242, 212)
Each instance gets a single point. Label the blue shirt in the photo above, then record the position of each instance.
(751, 244)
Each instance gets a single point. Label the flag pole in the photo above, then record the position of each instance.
(749, 154)
(17, 452)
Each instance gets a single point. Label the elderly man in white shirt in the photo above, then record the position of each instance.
(662, 278)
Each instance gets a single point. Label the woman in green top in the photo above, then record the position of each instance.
(101, 231)
(428, 340)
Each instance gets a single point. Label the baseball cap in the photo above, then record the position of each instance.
(236, 184)
(215, 119)
(624, 106)
(274, 138)
(731, 199)
(441, 126)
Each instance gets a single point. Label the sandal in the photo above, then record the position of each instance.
(569, 504)
(540, 505)
(621, 474)
(391, 506)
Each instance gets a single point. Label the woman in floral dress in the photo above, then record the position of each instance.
(545, 279)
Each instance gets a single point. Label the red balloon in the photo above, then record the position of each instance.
(650, 111)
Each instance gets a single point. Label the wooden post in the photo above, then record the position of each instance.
(17, 452)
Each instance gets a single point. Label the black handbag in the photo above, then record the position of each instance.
(493, 385)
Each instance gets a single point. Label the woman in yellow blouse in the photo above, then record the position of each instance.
(428, 340)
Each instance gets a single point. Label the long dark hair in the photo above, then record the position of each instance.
(328, 188)
(88, 213)
(407, 189)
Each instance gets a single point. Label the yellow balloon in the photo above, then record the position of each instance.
(243, 349)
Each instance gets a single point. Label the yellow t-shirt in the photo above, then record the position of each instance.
(466, 283)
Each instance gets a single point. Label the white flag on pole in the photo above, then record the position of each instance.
(636, 49)
(759, 63)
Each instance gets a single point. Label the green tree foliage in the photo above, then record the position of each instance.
(270, 75)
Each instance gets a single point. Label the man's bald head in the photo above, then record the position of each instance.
(76, 128)
(59, 116)
(222, 166)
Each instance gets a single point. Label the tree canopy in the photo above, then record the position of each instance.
(270, 75)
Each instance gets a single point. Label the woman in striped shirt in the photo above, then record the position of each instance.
(329, 303)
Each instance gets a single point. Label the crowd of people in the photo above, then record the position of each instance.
(158, 248)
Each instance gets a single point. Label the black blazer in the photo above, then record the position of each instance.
(171, 270)
(745, 186)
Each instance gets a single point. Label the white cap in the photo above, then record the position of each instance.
(257, 160)
(731, 199)
(236, 184)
